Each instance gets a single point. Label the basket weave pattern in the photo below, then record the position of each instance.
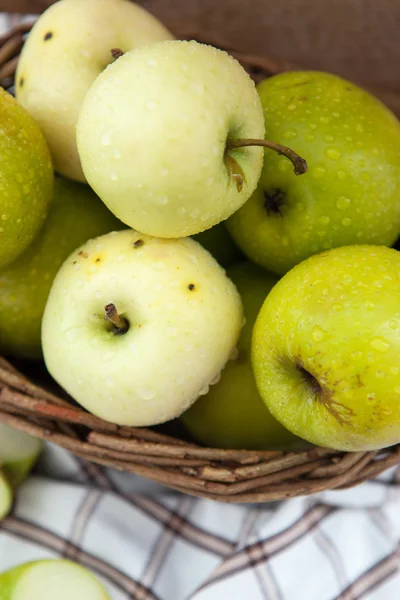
(226, 475)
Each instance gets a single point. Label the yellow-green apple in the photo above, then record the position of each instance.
(76, 215)
(70, 44)
(26, 179)
(50, 580)
(6, 495)
(220, 244)
(232, 414)
(351, 192)
(136, 328)
(326, 345)
(155, 134)
(18, 453)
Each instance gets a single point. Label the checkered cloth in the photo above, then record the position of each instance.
(145, 542)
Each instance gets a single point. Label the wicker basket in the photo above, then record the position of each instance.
(225, 475)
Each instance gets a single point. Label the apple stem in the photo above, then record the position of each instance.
(300, 165)
(117, 52)
(120, 325)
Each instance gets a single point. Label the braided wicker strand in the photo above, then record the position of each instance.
(225, 475)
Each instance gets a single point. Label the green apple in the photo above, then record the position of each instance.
(51, 580)
(135, 327)
(232, 414)
(76, 215)
(155, 135)
(26, 179)
(350, 194)
(6, 496)
(68, 47)
(18, 453)
(326, 347)
(220, 244)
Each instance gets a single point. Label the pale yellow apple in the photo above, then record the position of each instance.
(67, 49)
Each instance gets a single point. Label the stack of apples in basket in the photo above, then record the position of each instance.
(208, 250)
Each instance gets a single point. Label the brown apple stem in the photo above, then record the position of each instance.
(117, 52)
(120, 325)
(300, 165)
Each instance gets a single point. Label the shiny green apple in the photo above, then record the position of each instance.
(220, 244)
(351, 192)
(68, 47)
(26, 179)
(326, 348)
(50, 580)
(232, 413)
(6, 496)
(76, 215)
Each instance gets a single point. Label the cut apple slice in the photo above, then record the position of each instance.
(18, 453)
(50, 580)
(6, 496)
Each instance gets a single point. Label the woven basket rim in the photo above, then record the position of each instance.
(225, 475)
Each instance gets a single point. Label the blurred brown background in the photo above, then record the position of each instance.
(355, 38)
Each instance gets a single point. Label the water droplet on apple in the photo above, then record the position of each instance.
(310, 137)
(380, 374)
(360, 128)
(151, 105)
(110, 380)
(151, 62)
(156, 287)
(341, 174)
(204, 390)
(337, 307)
(106, 138)
(329, 138)
(210, 181)
(356, 355)
(318, 172)
(333, 153)
(324, 220)
(158, 265)
(317, 333)
(181, 211)
(346, 222)
(325, 291)
(393, 324)
(164, 171)
(146, 393)
(397, 389)
(71, 335)
(380, 344)
(195, 213)
(170, 306)
(290, 134)
(234, 354)
(394, 370)
(214, 149)
(371, 399)
(292, 106)
(162, 200)
(184, 67)
(216, 379)
(109, 356)
(171, 331)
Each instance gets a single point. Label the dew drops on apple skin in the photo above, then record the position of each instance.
(108, 356)
(380, 344)
(106, 138)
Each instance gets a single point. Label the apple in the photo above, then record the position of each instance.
(18, 453)
(69, 46)
(350, 194)
(26, 179)
(220, 244)
(155, 137)
(136, 328)
(6, 496)
(76, 215)
(325, 349)
(232, 414)
(50, 580)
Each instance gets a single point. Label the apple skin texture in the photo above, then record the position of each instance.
(180, 337)
(76, 215)
(232, 414)
(26, 179)
(66, 50)
(336, 316)
(50, 580)
(152, 137)
(351, 192)
(18, 453)
(6, 499)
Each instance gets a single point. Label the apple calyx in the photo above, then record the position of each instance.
(299, 163)
(119, 324)
(273, 201)
(116, 53)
